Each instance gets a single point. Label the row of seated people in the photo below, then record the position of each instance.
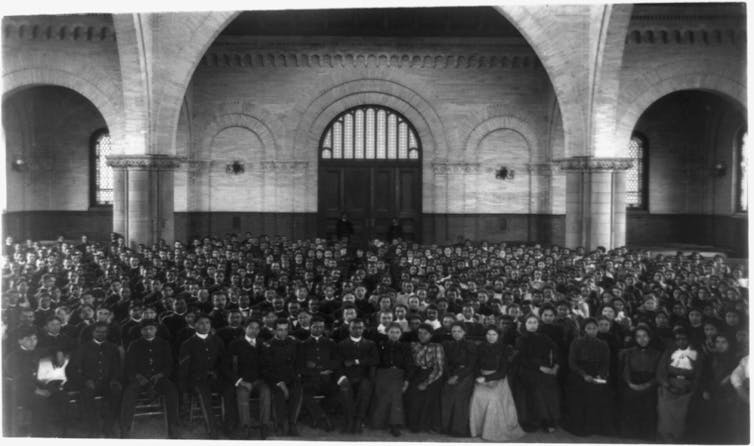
(457, 386)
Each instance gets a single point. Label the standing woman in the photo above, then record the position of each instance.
(422, 395)
(391, 380)
(539, 361)
(638, 389)
(678, 375)
(588, 396)
(458, 383)
(493, 412)
(712, 413)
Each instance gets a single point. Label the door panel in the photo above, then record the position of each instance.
(371, 194)
(383, 200)
(356, 199)
(330, 190)
(409, 202)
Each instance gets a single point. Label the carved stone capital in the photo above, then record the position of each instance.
(284, 166)
(157, 162)
(455, 168)
(588, 163)
(542, 168)
(194, 165)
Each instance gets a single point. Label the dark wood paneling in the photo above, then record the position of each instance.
(372, 194)
(97, 224)
(295, 225)
(726, 232)
(446, 228)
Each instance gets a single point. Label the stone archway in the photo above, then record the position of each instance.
(654, 91)
(99, 95)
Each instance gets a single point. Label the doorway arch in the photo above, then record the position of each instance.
(370, 168)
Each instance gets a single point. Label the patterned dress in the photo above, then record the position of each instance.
(422, 406)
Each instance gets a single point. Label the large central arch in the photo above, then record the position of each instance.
(390, 94)
(208, 26)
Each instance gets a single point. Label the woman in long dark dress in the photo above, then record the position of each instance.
(639, 387)
(678, 376)
(423, 393)
(712, 412)
(458, 382)
(539, 361)
(589, 398)
(493, 414)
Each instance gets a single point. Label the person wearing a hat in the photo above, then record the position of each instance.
(149, 362)
(199, 370)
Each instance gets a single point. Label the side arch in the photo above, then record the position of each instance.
(704, 81)
(224, 121)
(98, 95)
(509, 122)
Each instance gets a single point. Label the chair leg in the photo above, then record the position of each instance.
(164, 403)
(206, 414)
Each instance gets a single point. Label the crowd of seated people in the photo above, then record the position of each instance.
(473, 339)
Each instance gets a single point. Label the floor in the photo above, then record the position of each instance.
(153, 428)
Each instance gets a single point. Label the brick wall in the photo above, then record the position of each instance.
(73, 51)
(477, 105)
(50, 128)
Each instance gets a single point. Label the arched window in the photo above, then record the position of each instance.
(743, 173)
(370, 132)
(101, 174)
(636, 176)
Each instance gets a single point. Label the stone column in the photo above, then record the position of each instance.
(143, 199)
(595, 201)
(540, 202)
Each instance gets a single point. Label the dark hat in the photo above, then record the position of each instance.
(147, 323)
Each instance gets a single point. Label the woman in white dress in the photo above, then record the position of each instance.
(493, 412)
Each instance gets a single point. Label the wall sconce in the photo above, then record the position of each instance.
(19, 165)
(719, 170)
(505, 173)
(235, 168)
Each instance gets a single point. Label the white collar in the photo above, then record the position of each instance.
(316, 338)
(202, 336)
(355, 339)
(251, 341)
(98, 342)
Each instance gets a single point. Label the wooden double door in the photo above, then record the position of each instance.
(371, 193)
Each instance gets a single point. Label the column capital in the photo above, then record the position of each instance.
(543, 168)
(156, 162)
(588, 163)
(450, 168)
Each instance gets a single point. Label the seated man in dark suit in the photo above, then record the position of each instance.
(199, 371)
(358, 357)
(244, 373)
(318, 362)
(149, 362)
(279, 369)
(96, 365)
